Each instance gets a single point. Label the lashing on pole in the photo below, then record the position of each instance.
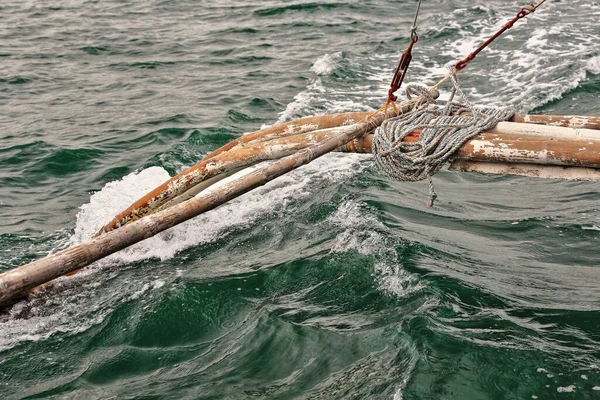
(20, 281)
(440, 132)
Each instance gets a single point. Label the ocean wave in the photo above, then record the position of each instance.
(304, 7)
(332, 281)
(40, 312)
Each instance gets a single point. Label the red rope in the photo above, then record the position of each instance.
(525, 11)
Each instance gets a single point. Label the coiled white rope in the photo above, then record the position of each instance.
(442, 132)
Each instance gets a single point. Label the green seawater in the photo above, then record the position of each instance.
(332, 282)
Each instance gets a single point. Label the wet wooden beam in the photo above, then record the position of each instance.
(529, 170)
(296, 127)
(17, 282)
(308, 124)
(510, 148)
(514, 148)
(565, 121)
(513, 128)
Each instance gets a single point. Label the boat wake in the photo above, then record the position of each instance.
(45, 313)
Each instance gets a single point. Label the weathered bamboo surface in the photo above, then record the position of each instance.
(514, 128)
(510, 148)
(16, 283)
(565, 121)
(529, 170)
(513, 148)
(308, 124)
(296, 127)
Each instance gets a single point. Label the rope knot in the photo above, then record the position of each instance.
(442, 132)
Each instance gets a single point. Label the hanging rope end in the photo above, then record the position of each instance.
(432, 194)
(431, 200)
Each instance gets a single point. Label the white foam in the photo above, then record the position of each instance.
(537, 40)
(326, 64)
(115, 197)
(362, 232)
(566, 389)
(42, 316)
(319, 99)
(157, 284)
(545, 68)
(591, 228)
(302, 102)
(207, 227)
(593, 65)
(341, 106)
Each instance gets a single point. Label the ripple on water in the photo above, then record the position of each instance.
(303, 7)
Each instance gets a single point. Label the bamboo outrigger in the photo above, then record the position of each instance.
(560, 147)
(566, 147)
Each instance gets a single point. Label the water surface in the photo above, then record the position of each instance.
(332, 282)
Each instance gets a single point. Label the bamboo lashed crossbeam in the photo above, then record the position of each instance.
(283, 139)
(17, 282)
(503, 146)
(512, 147)
(529, 170)
(565, 121)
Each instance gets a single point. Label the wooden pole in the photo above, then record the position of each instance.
(511, 148)
(173, 191)
(308, 124)
(16, 283)
(566, 121)
(530, 170)
(296, 127)
(513, 128)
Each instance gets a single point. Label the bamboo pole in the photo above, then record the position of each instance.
(510, 148)
(515, 148)
(513, 128)
(173, 191)
(308, 124)
(17, 282)
(299, 126)
(195, 190)
(566, 121)
(529, 170)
